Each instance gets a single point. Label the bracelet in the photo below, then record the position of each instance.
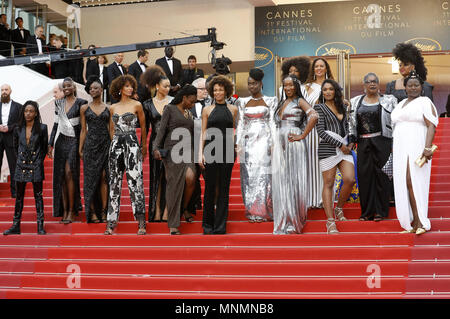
(429, 149)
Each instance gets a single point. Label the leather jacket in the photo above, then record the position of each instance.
(388, 103)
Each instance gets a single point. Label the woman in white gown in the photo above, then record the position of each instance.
(320, 71)
(415, 120)
(254, 140)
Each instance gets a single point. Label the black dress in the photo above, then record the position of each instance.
(373, 153)
(157, 170)
(66, 151)
(95, 156)
(218, 170)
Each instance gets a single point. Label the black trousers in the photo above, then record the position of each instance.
(374, 184)
(11, 156)
(217, 176)
(196, 198)
(39, 201)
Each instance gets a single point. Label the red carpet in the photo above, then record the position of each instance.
(366, 260)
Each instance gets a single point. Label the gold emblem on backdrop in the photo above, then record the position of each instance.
(333, 48)
(426, 44)
(263, 56)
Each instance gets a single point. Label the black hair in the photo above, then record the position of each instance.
(297, 86)
(69, 79)
(186, 90)
(90, 80)
(338, 97)
(409, 53)
(18, 18)
(328, 73)
(256, 74)
(301, 63)
(192, 57)
(37, 119)
(413, 75)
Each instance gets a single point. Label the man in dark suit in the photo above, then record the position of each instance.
(5, 37)
(136, 69)
(192, 72)
(36, 46)
(173, 70)
(9, 119)
(115, 70)
(19, 38)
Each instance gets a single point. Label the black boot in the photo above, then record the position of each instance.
(14, 230)
(40, 228)
(39, 203)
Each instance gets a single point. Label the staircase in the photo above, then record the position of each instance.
(366, 260)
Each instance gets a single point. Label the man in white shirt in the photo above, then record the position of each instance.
(136, 69)
(36, 45)
(9, 117)
(172, 68)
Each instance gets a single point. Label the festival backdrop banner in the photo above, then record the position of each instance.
(321, 29)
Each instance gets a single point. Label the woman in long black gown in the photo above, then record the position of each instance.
(94, 147)
(155, 78)
(65, 139)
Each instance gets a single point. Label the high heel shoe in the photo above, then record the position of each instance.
(420, 231)
(331, 226)
(412, 230)
(109, 228)
(339, 214)
(142, 225)
(189, 218)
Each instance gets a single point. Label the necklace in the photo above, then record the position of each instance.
(257, 98)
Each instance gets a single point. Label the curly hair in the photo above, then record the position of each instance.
(119, 83)
(329, 75)
(301, 63)
(223, 81)
(409, 53)
(153, 75)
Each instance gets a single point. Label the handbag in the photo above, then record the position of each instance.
(163, 153)
(387, 168)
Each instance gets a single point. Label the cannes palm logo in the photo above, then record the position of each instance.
(263, 56)
(426, 44)
(334, 48)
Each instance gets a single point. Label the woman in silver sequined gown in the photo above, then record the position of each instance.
(290, 183)
(254, 140)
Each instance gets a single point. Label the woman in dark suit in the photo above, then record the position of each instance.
(31, 143)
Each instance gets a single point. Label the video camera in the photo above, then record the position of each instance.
(221, 65)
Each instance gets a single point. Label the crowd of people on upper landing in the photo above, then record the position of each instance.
(20, 41)
(290, 148)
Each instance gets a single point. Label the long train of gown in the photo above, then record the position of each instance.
(409, 137)
(255, 140)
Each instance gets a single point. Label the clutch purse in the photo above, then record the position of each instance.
(421, 160)
(163, 153)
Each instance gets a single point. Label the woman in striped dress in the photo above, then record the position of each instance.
(334, 151)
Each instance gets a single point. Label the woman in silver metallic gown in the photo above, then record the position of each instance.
(254, 140)
(290, 183)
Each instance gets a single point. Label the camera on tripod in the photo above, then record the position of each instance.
(221, 65)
